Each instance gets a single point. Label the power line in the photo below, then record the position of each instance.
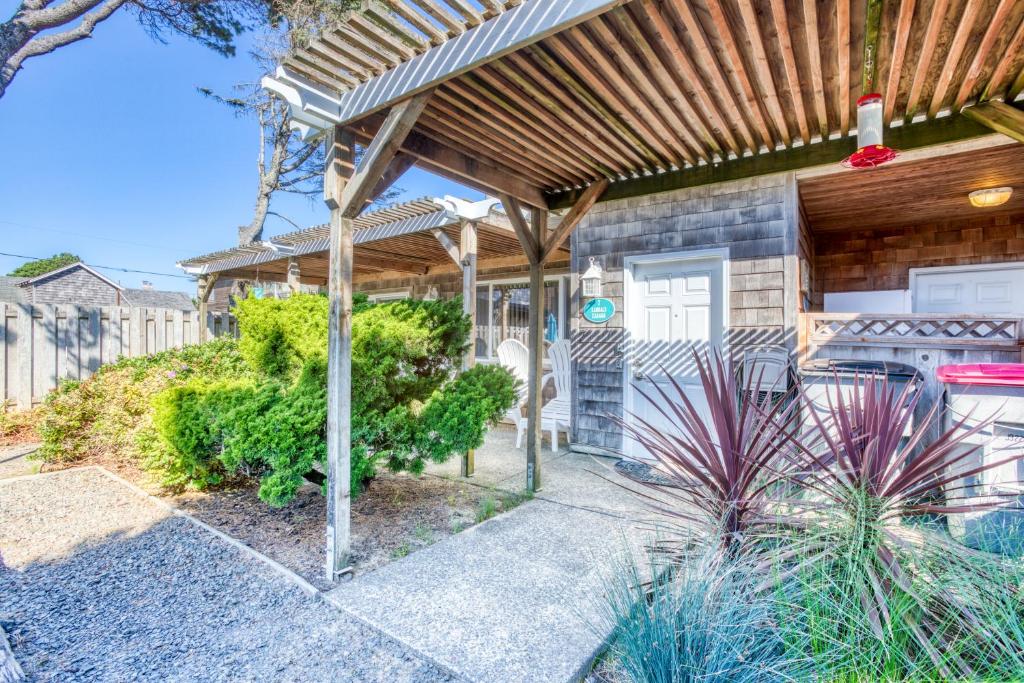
(93, 265)
(87, 236)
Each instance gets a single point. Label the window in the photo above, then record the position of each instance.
(502, 312)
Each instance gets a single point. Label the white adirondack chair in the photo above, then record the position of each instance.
(555, 416)
(514, 356)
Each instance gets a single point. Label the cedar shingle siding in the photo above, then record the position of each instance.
(865, 260)
(748, 217)
(72, 286)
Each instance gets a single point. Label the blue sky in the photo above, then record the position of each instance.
(109, 152)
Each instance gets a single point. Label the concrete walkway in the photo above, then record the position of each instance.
(519, 597)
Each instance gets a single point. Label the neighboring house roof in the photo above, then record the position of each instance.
(10, 293)
(61, 271)
(155, 298)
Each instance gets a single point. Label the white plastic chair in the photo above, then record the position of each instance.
(555, 416)
(515, 357)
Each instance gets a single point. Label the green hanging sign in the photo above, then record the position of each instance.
(599, 310)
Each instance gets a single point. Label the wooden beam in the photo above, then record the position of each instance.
(996, 25)
(399, 165)
(998, 116)
(378, 156)
(530, 243)
(535, 399)
(508, 32)
(396, 264)
(872, 23)
(294, 275)
(968, 14)
(573, 217)
(843, 63)
(204, 288)
(940, 131)
(899, 53)
(449, 245)
(340, 168)
(486, 176)
(467, 261)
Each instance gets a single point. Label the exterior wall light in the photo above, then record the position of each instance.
(994, 196)
(590, 281)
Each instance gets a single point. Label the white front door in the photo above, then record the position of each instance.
(974, 290)
(673, 307)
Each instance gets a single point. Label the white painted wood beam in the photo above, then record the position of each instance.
(449, 246)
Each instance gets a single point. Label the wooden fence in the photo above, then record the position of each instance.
(41, 345)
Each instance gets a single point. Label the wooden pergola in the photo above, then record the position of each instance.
(553, 104)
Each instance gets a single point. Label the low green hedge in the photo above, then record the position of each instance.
(258, 407)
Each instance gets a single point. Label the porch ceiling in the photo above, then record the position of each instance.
(656, 85)
(916, 192)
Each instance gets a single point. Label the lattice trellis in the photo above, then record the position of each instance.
(915, 330)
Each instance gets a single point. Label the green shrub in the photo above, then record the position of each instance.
(406, 406)
(110, 415)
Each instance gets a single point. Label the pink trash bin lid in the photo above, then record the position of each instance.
(983, 374)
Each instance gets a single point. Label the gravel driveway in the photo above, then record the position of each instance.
(98, 583)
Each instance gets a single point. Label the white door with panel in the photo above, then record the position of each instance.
(977, 290)
(673, 308)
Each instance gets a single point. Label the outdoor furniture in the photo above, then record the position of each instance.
(555, 415)
(514, 356)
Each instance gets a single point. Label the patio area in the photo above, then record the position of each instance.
(520, 597)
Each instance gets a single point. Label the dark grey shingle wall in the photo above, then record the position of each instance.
(747, 216)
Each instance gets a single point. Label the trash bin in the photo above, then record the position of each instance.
(819, 377)
(987, 392)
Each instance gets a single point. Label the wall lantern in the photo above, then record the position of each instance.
(870, 125)
(994, 196)
(590, 281)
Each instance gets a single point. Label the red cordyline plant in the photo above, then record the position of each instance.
(871, 475)
(728, 465)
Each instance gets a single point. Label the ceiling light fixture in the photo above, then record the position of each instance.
(993, 196)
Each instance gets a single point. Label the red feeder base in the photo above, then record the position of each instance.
(870, 157)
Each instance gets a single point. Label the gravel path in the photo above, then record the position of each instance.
(97, 583)
(14, 460)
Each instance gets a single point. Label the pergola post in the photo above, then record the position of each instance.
(340, 165)
(539, 246)
(535, 400)
(467, 254)
(204, 288)
(294, 273)
(347, 191)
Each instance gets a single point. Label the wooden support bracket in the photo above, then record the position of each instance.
(1000, 117)
(380, 153)
(573, 217)
(449, 246)
(527, 240)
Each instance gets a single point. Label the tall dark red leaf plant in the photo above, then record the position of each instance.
(872, 479)
(726, 466)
